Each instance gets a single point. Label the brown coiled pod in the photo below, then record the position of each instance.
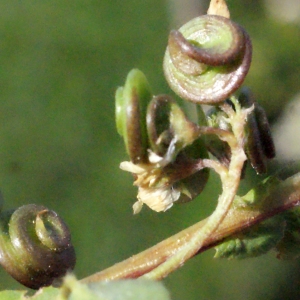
(207, 59)
(259, 145)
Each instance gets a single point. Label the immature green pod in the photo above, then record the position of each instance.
(158, 124)
(35, 246)
(175, 138)
(168, 125)
(131, 106)
(207, 59)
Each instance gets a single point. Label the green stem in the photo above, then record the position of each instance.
(230, 184)
(285, 196)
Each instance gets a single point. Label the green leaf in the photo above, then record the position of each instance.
(289, 246)
(114, 290)
(73, 289)
(131, 290)
(255, 196)
(255, 241)
(45, 294)
(12, 295)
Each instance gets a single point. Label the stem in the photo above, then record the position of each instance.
(284, 197)
(230, 182)
(215, 165)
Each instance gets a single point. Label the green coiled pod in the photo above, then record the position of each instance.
(35, 246)
(167, 123)
(175, 138)
(158, 124)
(131, 107)
(207, 59)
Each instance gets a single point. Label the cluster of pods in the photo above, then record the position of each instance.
(206, 61)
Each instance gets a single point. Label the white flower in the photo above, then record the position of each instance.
(158, 199)
(154, 189)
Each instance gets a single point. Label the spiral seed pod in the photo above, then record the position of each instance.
(207, 59)
(131, 106)
(158, 124)
(35, 246)
(259, 145)
(166, 122)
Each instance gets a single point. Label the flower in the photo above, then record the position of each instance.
(154, 187)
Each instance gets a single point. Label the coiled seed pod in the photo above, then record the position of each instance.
(260, 145)
(166, 123)
(207, 59)
(158, 124)
(131, 106)
(35, 246)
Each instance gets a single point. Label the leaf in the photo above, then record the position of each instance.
(114, 290)
(45, 293)
(289, 246)
(42, 294)
(73, 289)
(254, 241)
(12, 295)
(255, 196)
(131, 290)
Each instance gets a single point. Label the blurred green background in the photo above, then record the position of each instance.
(60, 63)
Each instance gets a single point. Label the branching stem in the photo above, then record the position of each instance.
(284, 197)
(166, 262)
(230, 183)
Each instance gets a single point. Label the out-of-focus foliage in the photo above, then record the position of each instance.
(61, 62)
(72, 289)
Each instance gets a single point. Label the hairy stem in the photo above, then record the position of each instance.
(230, 181)
(230, 184)
(284, 197)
